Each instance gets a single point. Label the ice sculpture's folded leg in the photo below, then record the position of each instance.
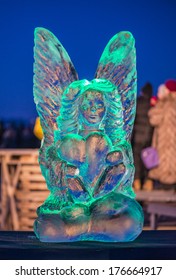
(68, 225)
(117, 217)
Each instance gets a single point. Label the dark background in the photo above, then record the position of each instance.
(84, 28)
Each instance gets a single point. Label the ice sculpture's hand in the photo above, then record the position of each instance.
(114, 158)
(72, 181)
(71, 171)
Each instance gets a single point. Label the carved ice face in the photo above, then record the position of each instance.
(92, 107)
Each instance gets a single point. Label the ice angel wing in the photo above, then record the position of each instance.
(53, 72)
(118, 65)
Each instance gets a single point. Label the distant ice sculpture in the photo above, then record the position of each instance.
(86, 155)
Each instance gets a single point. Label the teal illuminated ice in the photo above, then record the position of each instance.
(86, 155)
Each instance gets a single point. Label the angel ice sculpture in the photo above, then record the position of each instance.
(86, 155)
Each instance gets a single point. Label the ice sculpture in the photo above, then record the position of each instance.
(86, 155)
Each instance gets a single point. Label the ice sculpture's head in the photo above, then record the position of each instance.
(92, 107)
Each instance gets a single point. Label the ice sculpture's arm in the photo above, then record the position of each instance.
(63, 180)
(110, 180)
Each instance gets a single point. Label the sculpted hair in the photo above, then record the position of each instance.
(112, 123)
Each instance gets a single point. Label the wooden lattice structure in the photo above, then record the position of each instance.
(30, 194)
(22, 190)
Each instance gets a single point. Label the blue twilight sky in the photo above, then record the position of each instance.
(84, 28)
